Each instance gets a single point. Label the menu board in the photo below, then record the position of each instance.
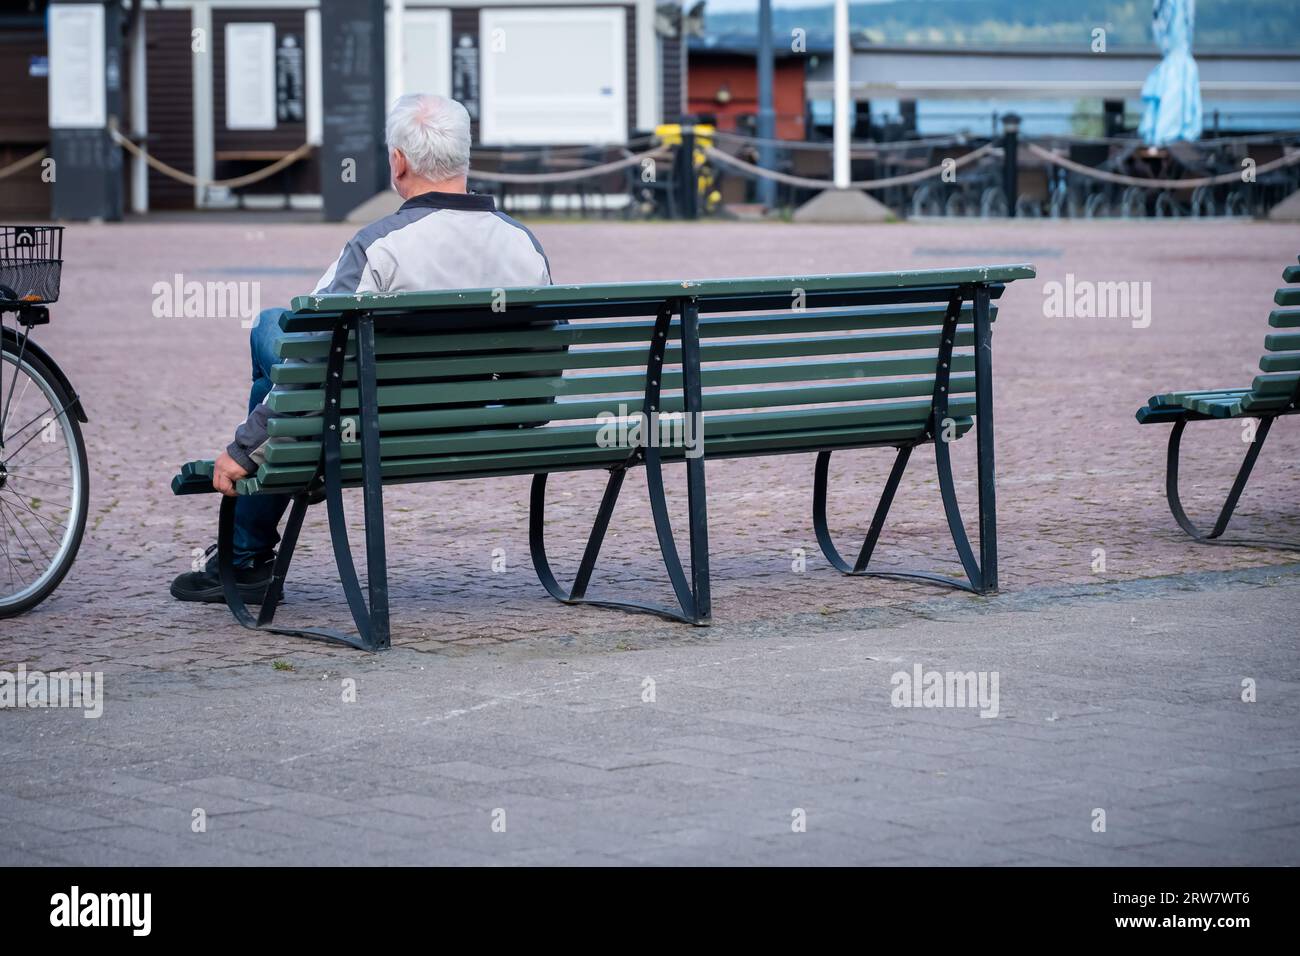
(250, 76)
(77, 74)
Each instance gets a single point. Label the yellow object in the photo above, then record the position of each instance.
(670, 134)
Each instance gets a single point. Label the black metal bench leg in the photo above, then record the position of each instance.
(577, 593)
(860, 568)
(226, 562)
(985, 577)
(373, 484)
(372, 620)
(1230, 505)
(981, 576)
(822, 528)
(693, 594)
(372, 627)
(952, 511)
(537, 538)
(280, 570)
(696, 495)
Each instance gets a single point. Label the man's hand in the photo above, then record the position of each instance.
(225, 472)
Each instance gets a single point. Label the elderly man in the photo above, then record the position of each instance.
(442, 237)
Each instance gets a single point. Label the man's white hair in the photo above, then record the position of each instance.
(433, 134)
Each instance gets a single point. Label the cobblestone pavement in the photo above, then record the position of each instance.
(775, 742)
(497, 693)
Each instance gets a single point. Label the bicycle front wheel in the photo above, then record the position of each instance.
(44, 481)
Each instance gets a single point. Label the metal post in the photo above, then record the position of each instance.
(139, 116)
(988, 523)
(1112, 118)
(695, 488)
(202, 111)
(843, 56)
(1010, 166)
(766, 111)
(689, 190)
(372, 481)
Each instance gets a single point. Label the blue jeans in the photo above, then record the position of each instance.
(257, 517)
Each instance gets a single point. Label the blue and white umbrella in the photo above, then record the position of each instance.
(1171, 96)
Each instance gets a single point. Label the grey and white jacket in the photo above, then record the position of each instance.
(434, 241)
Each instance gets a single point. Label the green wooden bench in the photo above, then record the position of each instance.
(1273, 394)
(448, 385)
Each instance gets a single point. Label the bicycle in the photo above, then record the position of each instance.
(44, 476)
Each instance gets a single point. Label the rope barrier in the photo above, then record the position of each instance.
(1122, 180)
(287, 160)
(587, 172)
(804, 183)
(20, 165)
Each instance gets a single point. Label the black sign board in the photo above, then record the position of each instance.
(354, 162)
(289, 105)
(88, 175)
(464, 73)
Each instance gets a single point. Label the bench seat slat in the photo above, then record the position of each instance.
(1180, 398)
(1253, 405)
(1217, 403)
(1284, 318)
(1217, 407)
(1287, 296)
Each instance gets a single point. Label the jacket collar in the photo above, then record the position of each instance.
(471, 202)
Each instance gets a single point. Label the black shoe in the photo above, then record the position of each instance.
(205, 585)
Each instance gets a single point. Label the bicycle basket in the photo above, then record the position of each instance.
(31, 263)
